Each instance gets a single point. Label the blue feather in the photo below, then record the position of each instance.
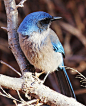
(57, 47)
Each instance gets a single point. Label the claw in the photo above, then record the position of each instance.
(38, 74)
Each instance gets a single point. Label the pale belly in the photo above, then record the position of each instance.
(49, 62)
(45, 59)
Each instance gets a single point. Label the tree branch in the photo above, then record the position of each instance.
(34, 87)
(12, 25)
(10, 67)
(21, 4)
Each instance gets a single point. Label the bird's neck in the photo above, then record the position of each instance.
(39, 38)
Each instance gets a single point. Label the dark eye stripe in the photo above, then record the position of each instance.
(45, 21)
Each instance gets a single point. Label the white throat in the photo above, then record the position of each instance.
(37, 38)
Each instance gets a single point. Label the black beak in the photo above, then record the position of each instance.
(55, 18)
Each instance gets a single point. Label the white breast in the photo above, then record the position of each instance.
(39, 52)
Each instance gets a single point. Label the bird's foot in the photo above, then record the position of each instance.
(38, 74)
(37, 77)
(38, 80)
(42, 81)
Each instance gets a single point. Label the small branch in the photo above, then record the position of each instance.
(20, 96)
(74, 70)
(10, 67)
(5, 28)
(31, 103)
(38, 90)
(80, 91)
(7, 95)
(21, 4)
(80, 76)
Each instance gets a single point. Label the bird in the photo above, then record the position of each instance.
(43, 49)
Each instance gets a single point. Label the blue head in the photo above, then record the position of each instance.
(36, 22)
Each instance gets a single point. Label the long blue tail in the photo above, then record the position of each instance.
(64, 83)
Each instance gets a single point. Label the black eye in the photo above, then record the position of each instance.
(45, 21)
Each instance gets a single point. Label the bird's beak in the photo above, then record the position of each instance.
(55, 18)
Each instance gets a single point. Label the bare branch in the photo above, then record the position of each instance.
(80, 91)
(21, 4)
(80, 76)
(7, 95)
(10, 67)
(38, 90)
(5, 28)
(20, 96)
(30, 103)
(9, 82)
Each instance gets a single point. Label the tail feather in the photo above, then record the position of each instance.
(64, 83)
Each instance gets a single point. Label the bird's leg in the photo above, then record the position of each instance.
(46, 76)
(38, 74)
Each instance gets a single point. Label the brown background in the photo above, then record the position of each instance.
(71, 30)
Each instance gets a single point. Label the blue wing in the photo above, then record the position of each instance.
(57, 46)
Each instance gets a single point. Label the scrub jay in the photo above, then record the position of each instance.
(42, 47)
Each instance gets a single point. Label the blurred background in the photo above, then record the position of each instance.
(71, 30)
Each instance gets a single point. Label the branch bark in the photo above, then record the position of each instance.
(35, 88)
(12, 25)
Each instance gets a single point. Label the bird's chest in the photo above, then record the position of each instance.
(41, 54)
(38, 52)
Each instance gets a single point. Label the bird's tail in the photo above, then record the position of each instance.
(64, 83)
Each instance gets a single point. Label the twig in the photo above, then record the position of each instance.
(15, 102)
(74, 70)
(5, 28)
(21, 4)
(30, 103)
(7, 95)
(82, 77)
(27, 96)
(10, 67)
(20, 96)
(80, 91)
